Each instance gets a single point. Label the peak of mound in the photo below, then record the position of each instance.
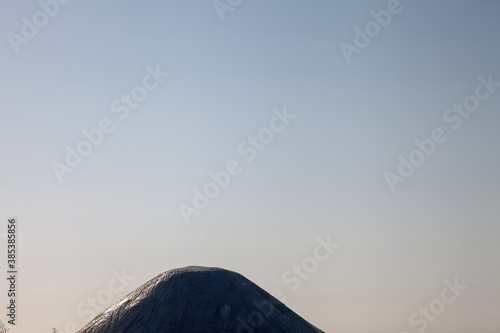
(198, 299)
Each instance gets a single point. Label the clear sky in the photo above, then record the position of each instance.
(327, 171)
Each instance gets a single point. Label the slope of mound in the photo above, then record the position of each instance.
(198, 299)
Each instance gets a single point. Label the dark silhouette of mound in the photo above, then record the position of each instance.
(198, 299)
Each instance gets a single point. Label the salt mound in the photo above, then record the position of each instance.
(198, 299)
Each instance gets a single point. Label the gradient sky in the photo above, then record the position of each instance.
(323, 175)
